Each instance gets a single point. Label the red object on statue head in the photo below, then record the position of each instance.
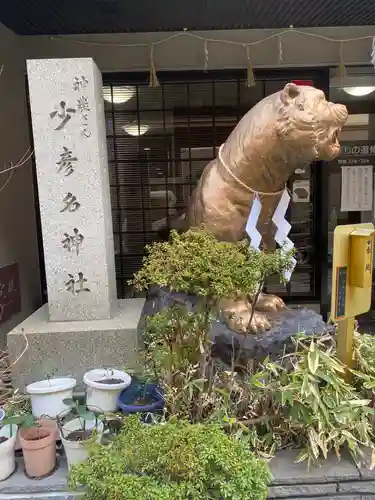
(306, 83)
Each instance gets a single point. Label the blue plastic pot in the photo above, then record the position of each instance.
(128, 396)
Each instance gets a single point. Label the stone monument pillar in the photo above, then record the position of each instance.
(67, 110)
(83, 326)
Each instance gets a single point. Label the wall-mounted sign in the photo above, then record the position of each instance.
(10, 292)
(356, 188)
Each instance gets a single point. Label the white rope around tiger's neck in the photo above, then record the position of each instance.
(248, 188)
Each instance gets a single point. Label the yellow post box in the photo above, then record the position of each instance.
(351, 282)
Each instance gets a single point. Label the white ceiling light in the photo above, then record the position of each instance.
(358, 91)
(118, 95)
(136, 129)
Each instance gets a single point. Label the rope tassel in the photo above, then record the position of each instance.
(341, 70)
(281, 49)
(206, 56)
(250, 78)
(153, 82)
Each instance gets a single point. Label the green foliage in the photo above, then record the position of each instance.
(196, 262)
(179, 356)
(364, 354)
(178, 349)
(24, 420)
(176, 461)
(302, 400)
(78, 411)
(308, 404)
(19, 419)
(179, 336)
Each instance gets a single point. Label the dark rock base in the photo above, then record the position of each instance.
(273, 343)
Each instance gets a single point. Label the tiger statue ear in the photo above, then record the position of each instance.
(289, 93)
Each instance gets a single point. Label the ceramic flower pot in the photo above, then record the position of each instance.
(47, 396)
(74, 437)
(8, 434)
(103, 388)
(39, 450)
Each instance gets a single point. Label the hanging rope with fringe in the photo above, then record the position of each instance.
(154, 82)
(279, 37)
(250, 78)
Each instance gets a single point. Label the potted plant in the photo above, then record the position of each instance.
(176, 460)
(47, 395)
(77, 431)
(8, 434)
(38, 445)
(142, 396)
(103, 387)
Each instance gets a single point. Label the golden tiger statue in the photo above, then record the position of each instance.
(284, 131)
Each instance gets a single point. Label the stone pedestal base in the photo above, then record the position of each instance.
(74, 347)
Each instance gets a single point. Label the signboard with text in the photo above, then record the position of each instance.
(356, 161)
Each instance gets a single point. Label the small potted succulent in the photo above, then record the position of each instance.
(76, 432)
(8, 435)
(47, 395)
(38, 445)
(103, 387)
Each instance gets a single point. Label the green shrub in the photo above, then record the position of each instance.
(196, 262)
(178, 347)
(364, 354)
(309, 405)
(176, 461)
(178, 354)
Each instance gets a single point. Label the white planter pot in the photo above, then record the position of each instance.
(101, 396)
(7, 457)
(47, 396)
(76, 452)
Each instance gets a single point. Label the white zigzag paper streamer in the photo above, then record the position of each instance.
(251, 225)
(283, 227)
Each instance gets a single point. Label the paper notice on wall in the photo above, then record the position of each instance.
(356, 188)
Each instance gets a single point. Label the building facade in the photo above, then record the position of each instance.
(160, 138)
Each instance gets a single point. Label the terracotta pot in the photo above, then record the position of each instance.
(39, 454)
(50, 423)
